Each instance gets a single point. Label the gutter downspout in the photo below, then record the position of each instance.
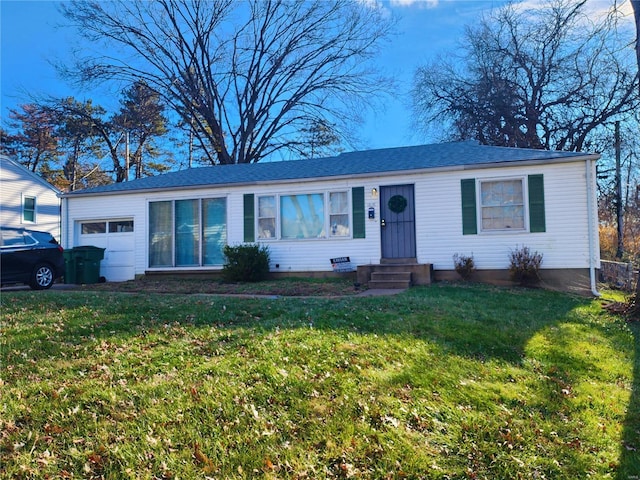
(591, 225)
(65, 222)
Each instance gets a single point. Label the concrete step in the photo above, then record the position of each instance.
(399, 268)
(399, 261)
(389, 284)
(391, 275)
(390, 279)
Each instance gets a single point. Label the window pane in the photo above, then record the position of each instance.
(29, 216)
(267, 217)
(121, 226)
(12, 238)
(29, 203)
(267, 228)
(29, 209)
(91, 228)
(267, 206)
(339, 216)
(502, 205)
(160, 234)
(187, 233)
(302, 216)
(338, 202)
(214, 230)
(339, 225)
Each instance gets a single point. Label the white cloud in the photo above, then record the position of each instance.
(419, 3)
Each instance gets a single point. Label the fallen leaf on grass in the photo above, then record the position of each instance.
(202, 459)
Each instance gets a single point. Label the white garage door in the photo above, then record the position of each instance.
(117, 238)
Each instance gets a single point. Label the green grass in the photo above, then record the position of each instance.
(442, 382)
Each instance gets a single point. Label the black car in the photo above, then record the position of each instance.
(31, 257)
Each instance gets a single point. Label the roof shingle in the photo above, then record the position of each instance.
(387, 160)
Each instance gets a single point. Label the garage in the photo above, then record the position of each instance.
(116, 236)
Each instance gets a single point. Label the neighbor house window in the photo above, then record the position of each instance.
(29, 209)
(502, 205)
(187, 233)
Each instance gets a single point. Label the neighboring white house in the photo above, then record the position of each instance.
(420, 204)
(27, 200)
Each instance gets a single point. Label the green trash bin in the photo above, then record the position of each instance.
(69, 266)
(87, 263)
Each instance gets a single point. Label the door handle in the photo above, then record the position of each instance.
(383, 223)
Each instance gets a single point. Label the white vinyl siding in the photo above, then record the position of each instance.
(564, 243)
(17, 185)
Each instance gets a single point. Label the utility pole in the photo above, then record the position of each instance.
(619, 206)
(126, 157)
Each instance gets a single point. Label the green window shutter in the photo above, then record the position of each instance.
(357, 207)
(469, 216)
(536, 204)
(249, 218)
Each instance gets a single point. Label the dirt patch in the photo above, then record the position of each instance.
(293, 287)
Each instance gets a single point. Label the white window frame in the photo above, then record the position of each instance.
(201, 232)
(35, 209)
(276, 202)
(346, 211)
(326, 231)
(524, 205)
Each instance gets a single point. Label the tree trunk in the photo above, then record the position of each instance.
(635, 5)
(619, 205)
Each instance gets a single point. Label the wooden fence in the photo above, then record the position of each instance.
(618, 274)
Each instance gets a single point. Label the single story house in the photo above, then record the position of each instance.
(27, 200)
(417, 205)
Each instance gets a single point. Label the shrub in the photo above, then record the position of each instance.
(246, 263)
(524, 266)
(464, 265)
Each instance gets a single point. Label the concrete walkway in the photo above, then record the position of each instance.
(377, 292)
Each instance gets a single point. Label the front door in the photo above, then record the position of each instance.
(397, 221)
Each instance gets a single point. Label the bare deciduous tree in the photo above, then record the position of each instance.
(246, 75)
(547, 78)
(635, 5)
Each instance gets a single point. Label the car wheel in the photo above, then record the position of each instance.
(42, 277)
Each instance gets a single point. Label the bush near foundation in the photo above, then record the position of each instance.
(464, 265)
(524, 266)
(246, 263)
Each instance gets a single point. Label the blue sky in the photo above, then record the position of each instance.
(31, 39)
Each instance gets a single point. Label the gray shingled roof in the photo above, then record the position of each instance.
(387, 160)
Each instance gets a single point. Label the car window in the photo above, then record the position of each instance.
(12, 238)
(29, 240)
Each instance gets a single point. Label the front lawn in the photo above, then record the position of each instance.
(442, 382)
(289, 287)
